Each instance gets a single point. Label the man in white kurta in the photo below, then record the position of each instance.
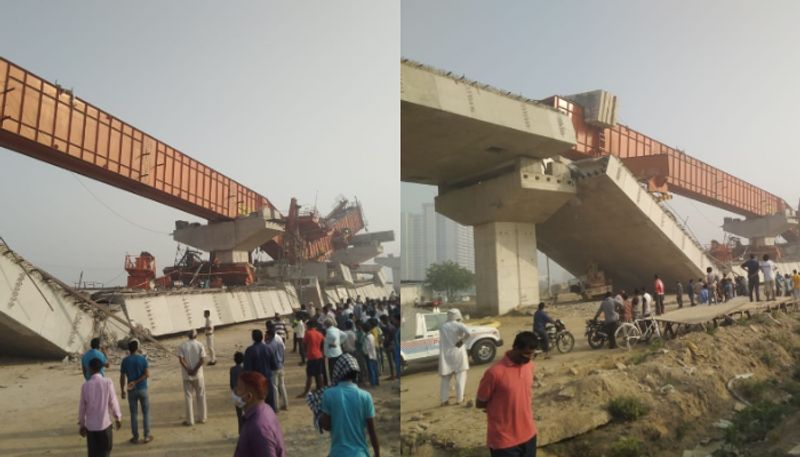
(453, 361)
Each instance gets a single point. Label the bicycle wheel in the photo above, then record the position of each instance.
(627, 336)
(565, 342)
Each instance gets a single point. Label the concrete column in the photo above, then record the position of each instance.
(506, 272)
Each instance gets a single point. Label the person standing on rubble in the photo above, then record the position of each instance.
(95, 352)
(134, 369)
(658, 288)
(453, 361)
(506, 394)
(98, 399)
(192, 356)
(768, 270)
(752, 266)
(209, 332)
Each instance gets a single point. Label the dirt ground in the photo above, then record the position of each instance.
(39, 408)
(683, 380)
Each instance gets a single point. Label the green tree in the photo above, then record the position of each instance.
(449, 277)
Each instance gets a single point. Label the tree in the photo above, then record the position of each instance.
(448, 276)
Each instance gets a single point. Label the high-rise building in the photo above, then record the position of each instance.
(429, 238)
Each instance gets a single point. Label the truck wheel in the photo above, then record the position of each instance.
(483, 352)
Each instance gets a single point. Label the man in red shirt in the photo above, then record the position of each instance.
(658, 287)
(315, 364)
(506, 393)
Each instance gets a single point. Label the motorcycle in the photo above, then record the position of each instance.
(558, 336)
(596, 334)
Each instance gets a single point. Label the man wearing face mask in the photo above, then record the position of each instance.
(506, 392)
(260, 434)
(453, 361)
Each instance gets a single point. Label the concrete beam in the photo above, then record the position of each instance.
(243, 234)
(761, 227)
(385, 236)
(355, 255)
(453, 129)
(531, 192)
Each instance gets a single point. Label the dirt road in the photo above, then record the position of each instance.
(39, 407)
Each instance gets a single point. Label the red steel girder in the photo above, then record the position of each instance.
(666, 167)
(46, 122)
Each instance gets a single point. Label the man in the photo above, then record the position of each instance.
(371, 355)
(299, 330)
(94, 353)
(610, 312)
(679, 294)
(280, 327)
(658, 287)
(506, 392)
(349, 341)
(192, 356)
(315, 364)
(453, 360)
(134, 369)
(262, 358)
(712, 280)
(796, 286)
(388, 330)
(647, 302)
(768, 270)
(278, 380)
(540, 321)
(333, 343)
(347, 411)
(260, 434)
(209, 331)
(397, 358)
(98, 399)
(690, 287)
(235, 371)
(752, 266)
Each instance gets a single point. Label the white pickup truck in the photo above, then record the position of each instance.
(423, 343)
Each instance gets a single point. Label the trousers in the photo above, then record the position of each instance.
(212, 356)
(461, 382)
(135, 398)
(195, 389)
(526, 449)
(279, 388)
(100, 443)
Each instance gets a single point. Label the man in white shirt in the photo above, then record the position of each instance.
(299, 330)
(768, 268)
(333, 343)
(647, 302)
(191, 355)
(209, 331)
(453, 361)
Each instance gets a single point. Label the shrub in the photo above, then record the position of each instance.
(754, 422)
(627, 408)
(627, 447)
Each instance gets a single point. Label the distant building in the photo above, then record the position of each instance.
(429, 237)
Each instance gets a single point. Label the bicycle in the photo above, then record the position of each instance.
(628, 334)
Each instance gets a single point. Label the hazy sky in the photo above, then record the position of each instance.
(293, 99)
(718, 79)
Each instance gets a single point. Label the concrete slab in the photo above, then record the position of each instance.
(454, 129)
(617, 224)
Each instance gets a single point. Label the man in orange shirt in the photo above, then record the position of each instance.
(315, 364)
(506, 393)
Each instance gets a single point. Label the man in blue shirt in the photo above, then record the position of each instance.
(753, 279)
(135, 368)
(278, 381)
(94, 353)
(540, 321)
(347, 410)
(261, 358)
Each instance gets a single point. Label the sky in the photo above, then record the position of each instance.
(292, 99)
(717, 79)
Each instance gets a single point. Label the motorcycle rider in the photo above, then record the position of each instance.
(540, 321)
(610, 309)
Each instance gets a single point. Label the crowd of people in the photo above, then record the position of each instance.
(344, 349)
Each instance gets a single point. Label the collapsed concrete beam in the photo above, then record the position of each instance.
(231, 240)
(761, 227)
